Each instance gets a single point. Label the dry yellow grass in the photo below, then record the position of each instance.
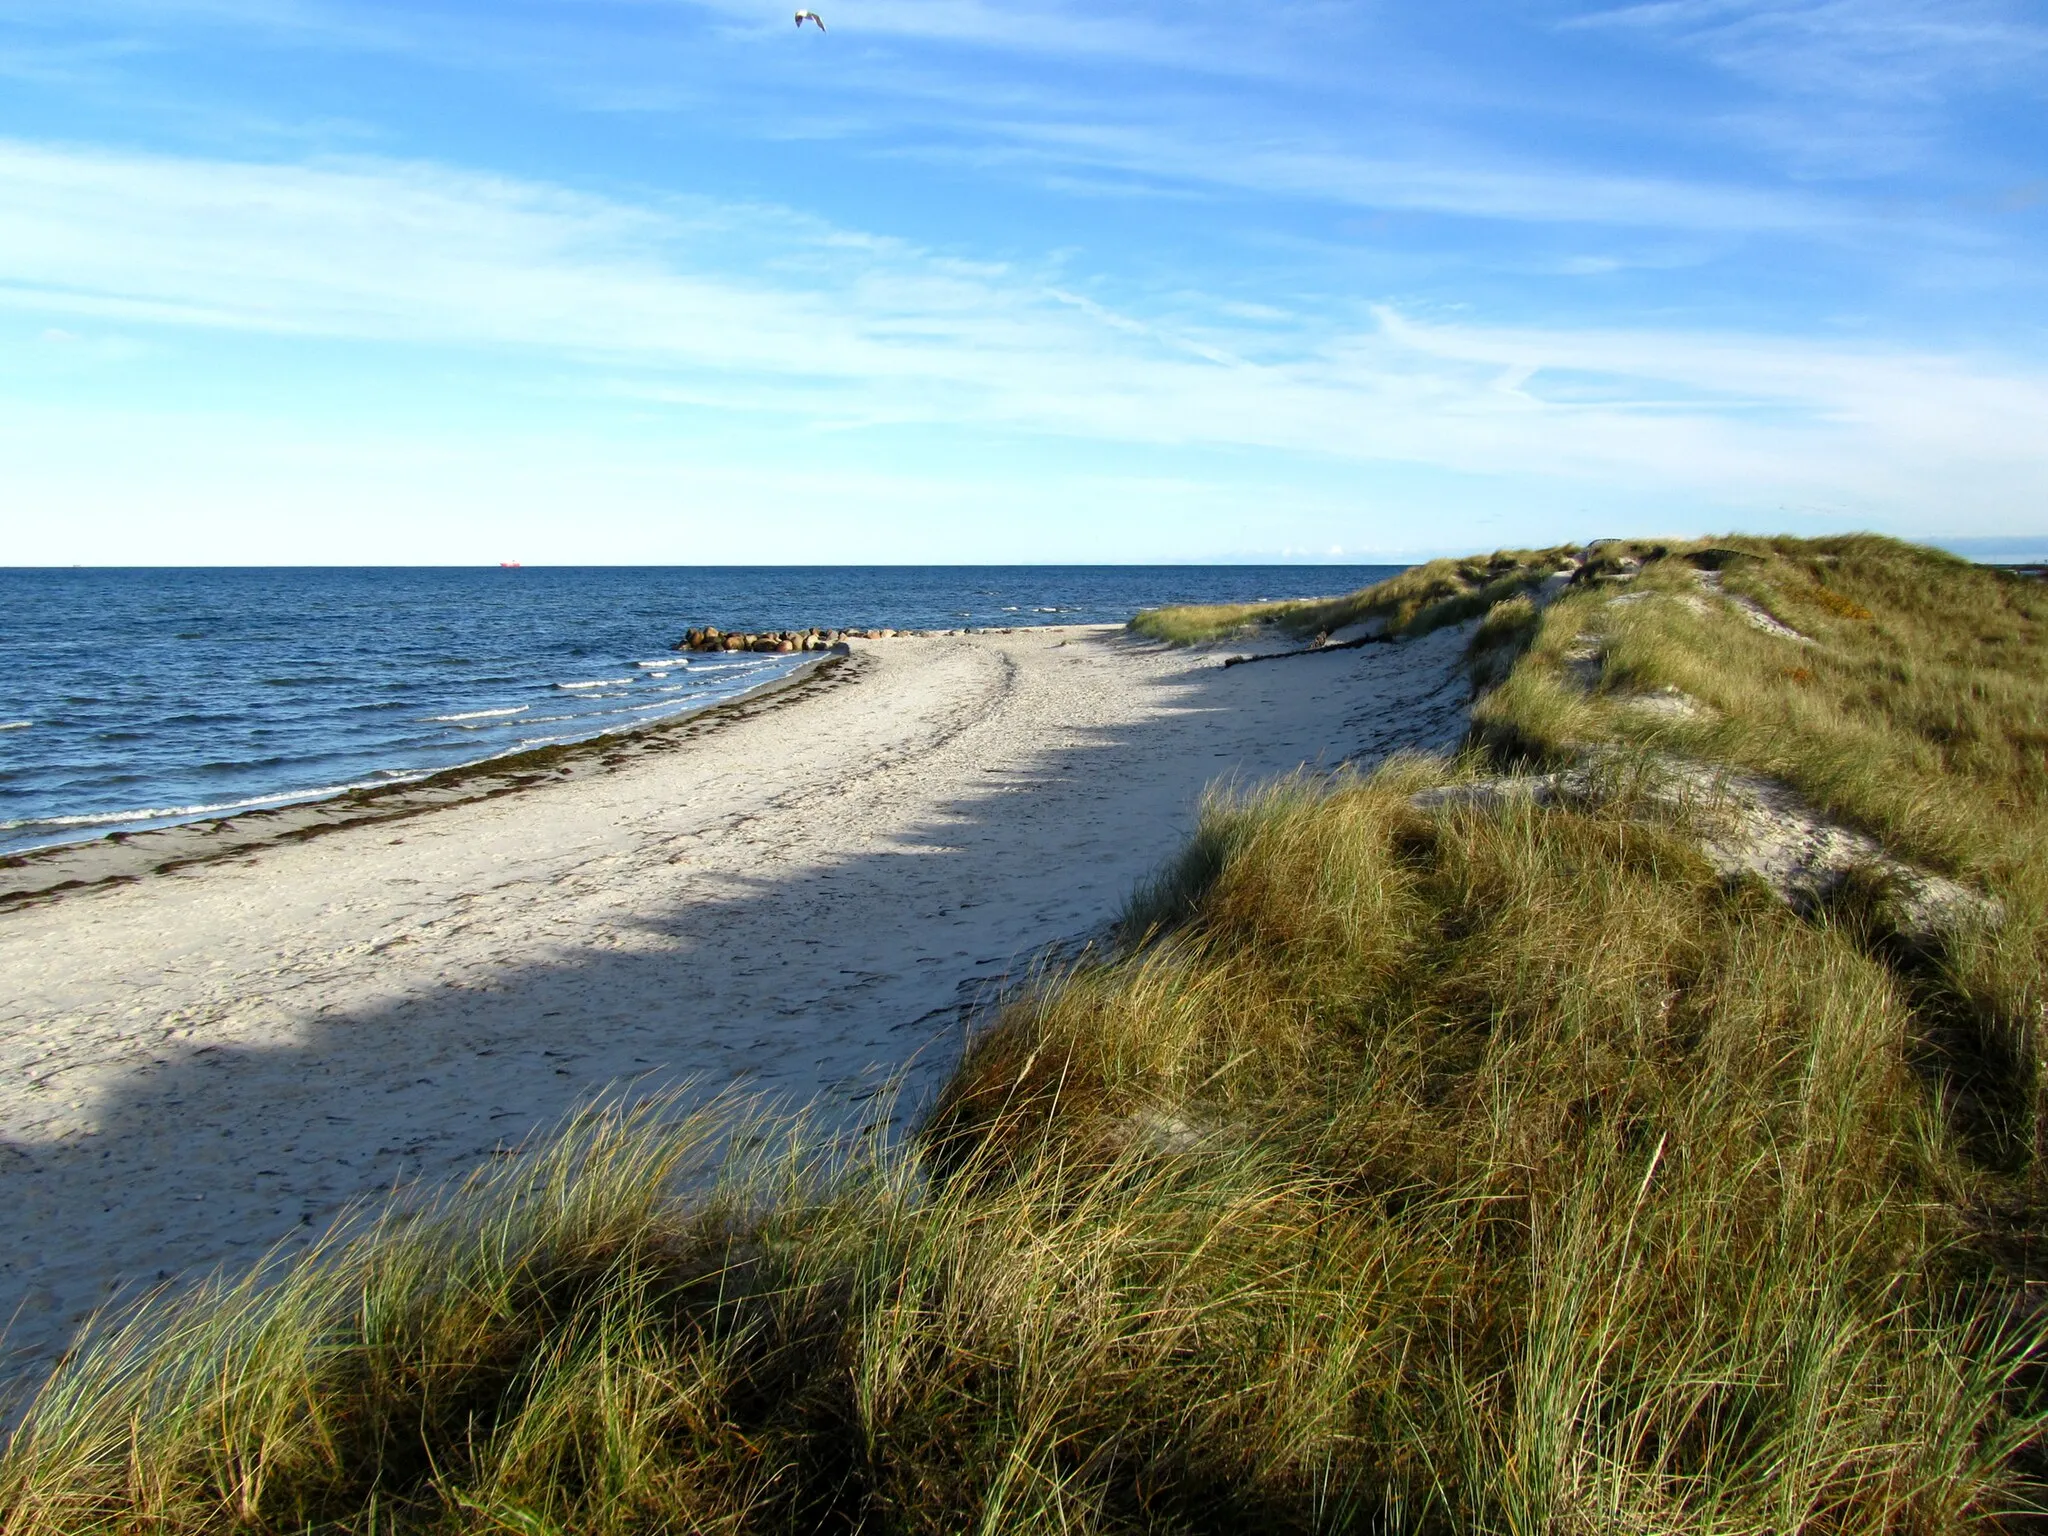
(1457, 1169)
(1418, 600)
(1915, 709)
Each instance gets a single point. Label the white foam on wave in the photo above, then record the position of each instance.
(479, 714)
(143, 816)
(174, 812)
(665, 662)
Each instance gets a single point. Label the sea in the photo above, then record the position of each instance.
(132, 699)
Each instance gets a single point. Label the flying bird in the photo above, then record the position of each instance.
(804, 16)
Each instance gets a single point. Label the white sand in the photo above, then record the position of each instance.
(200, 1064)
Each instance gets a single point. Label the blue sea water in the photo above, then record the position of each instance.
(140, 698)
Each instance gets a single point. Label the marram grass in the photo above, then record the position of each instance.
(1915, 708)
(1426, 597)
(1465, 1170)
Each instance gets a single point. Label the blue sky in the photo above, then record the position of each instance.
(618, 281)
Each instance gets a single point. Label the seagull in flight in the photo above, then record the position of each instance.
(804, 16)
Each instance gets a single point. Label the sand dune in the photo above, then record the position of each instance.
(203, 1063)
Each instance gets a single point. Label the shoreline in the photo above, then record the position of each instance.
(41, 874)
(803, 898)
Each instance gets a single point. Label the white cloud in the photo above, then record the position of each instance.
(296, 20)
(1859, 48)
(1865, 89)
(1159, 33)
(1496, 187)
(1199, 36)
(1237, 99)
(756, 310)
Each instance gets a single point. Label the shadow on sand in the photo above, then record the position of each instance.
(812, 982)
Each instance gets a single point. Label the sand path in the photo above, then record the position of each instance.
(207, 1062)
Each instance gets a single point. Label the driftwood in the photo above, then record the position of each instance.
(1313, 650)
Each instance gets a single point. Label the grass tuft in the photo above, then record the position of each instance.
(1419, 600)
(1419, 1163)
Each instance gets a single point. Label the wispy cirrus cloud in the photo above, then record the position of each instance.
(753, 309)
(1244, 103)
(1871, 90)
(1199, 36)
(1491, 186)
(1702, 250)
(1861, 48)
(1179, 36)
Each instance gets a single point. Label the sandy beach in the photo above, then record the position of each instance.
(800, 900)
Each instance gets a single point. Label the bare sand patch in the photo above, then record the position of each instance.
(202, 1063)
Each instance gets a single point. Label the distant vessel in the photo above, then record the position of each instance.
(508, 565)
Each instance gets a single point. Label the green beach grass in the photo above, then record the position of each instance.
(1446, 1165)
(1424, 598)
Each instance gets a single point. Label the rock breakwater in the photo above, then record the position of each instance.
(786, 641)
(778, 641)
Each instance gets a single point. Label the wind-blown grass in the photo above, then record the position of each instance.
(1469, 1167)
(1421, 599)
(1915, 709)
(1920, 712)
(1664, 1233)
